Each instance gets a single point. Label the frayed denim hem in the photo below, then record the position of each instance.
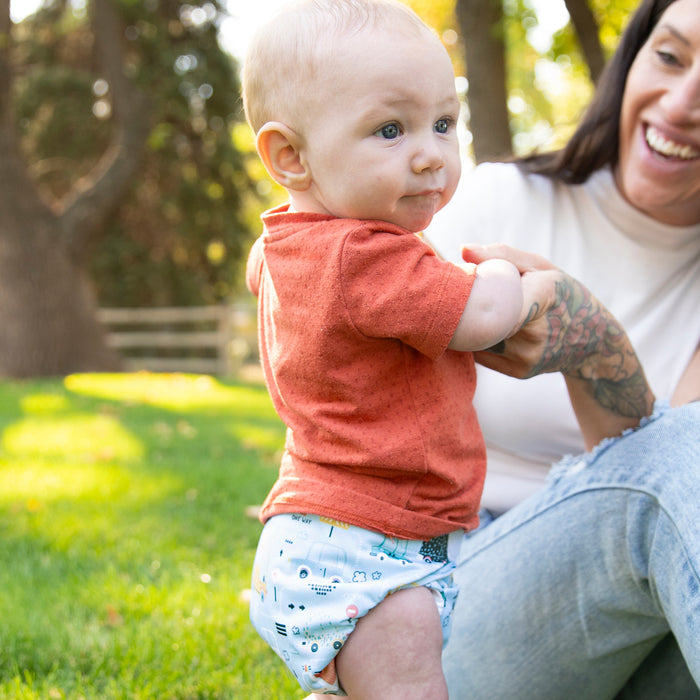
(574, 463)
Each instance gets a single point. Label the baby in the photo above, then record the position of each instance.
(365, 341)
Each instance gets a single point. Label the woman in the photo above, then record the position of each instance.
(579, 590)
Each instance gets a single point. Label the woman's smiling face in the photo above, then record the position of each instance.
(659, 161)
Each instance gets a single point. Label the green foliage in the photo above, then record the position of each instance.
(560, 76)
(51, 100)
(126, 553)
(184, 227)
(53, 96)
(612, 19)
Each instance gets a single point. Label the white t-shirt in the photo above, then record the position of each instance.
(645, 272)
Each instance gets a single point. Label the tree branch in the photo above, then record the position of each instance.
(18, 192)
(97, 195)
(587, 30)
(481, 23)
(5, 75)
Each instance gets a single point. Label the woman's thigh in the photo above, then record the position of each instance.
(565, 595)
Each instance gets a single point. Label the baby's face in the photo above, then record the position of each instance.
(381, 142)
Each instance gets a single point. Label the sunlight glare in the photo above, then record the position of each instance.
(20, 9)
(173, 392)
(552, 15)
(86, 437)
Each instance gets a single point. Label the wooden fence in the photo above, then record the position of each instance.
(200, 339)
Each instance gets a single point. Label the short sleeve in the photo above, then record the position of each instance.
(395, 286)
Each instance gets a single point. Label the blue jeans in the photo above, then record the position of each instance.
(568, 594)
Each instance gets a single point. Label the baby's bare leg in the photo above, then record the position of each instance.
(395, 651)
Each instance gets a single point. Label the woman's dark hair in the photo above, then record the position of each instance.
(595, 142)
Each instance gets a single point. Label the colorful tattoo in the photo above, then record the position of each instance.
(586, 342)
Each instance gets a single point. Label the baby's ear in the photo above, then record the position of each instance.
(279, 149)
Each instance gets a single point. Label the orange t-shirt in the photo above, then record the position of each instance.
(354, 322)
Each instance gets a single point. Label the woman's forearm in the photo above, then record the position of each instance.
(566, 329)
(606, 382)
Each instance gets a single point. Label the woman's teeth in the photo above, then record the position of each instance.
(670, 149)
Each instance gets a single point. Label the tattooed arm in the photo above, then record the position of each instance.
(564, 328)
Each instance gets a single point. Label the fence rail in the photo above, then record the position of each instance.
(200, 339)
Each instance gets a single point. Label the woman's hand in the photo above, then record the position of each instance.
(564, 328)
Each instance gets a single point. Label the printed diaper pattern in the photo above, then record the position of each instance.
(314, 577)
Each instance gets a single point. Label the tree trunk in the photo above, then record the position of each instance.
(481, 24)
(587, 30)
(47, 305)
(47, 308)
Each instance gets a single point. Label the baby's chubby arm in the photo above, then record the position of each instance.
(494, 309)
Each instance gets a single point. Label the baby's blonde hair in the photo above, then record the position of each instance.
(287, 51)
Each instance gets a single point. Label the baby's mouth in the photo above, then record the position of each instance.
(667, 148)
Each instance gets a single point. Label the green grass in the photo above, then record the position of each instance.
(125, 554)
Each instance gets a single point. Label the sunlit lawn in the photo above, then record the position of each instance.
(125, 553)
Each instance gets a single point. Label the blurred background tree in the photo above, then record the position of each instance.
(121, 183)
(130, 179)
(527, 84)
(180, 231)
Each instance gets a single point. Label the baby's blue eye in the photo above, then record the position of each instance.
(390, 131)
(442, 126)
